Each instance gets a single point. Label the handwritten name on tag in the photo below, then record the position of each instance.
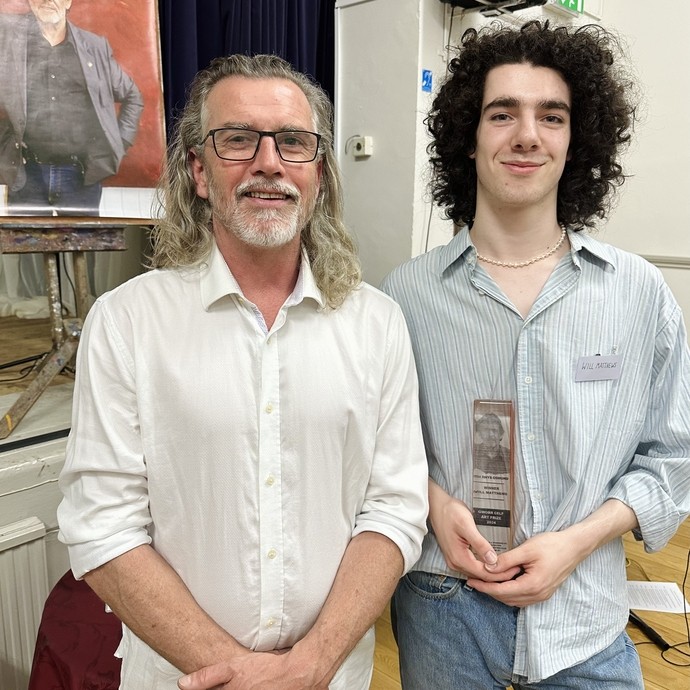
(599, 368)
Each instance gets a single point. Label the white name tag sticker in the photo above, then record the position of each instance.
(599, 368)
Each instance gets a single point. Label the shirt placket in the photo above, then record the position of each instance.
(270, 499)
(530, 405)
(530, 385)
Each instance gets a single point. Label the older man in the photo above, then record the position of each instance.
(61, 132)
(245, 473)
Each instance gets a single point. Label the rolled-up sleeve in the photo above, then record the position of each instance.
(104, 511)
(396, 501)
(657, 483)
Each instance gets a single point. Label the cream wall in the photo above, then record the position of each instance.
(380, 45)
(383, 46)
(653, 215)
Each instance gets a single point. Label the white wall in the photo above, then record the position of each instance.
(653, 215)
(382, 47)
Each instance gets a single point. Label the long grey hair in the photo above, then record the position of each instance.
(183, 236)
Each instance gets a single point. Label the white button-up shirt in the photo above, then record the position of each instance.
(247, 458)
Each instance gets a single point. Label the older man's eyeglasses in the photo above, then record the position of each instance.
(235, 144)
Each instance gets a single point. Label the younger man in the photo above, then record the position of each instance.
(584, 339)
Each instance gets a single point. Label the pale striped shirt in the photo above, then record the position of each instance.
(578, 443)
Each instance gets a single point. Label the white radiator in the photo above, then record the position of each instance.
(23, 591)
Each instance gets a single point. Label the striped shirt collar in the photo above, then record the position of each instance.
(460, 248)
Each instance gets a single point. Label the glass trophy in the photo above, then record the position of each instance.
(492, 471)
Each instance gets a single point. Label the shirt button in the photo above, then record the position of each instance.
(528, 379)
(269, 408)
(270, 623)
(272, 554)
(52, 98)
(270, 480)
(531, 437)
(52, 76)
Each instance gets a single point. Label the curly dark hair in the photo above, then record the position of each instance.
(602, 114)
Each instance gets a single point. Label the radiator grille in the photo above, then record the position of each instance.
(23, 591)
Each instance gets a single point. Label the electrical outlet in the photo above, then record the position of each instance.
(362, 147)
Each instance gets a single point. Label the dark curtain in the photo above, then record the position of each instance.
(193, 32)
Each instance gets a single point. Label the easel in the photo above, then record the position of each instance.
(51, 236)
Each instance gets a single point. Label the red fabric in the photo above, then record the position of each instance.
(76, 641)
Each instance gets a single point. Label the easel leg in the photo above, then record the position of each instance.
(54, 300)
(81, 283)
(52, 366)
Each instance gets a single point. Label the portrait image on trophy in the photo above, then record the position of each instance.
(491, 456)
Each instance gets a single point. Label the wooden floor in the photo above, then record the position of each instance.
(20, 338)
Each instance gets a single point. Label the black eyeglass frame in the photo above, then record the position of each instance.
(262, 134)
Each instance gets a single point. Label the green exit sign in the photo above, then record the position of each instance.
(572, 5)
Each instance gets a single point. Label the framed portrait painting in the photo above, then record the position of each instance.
(82, 127)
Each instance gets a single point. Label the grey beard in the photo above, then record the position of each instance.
(267, 228)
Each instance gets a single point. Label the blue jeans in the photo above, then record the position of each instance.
(451, 637)
(55, 190)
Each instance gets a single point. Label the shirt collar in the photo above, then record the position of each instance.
(37, 38)
(456, 249)
(217, 281)
(580, 241)
(460, 247)
(307, 283)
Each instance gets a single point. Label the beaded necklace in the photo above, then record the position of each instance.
(522, 264)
